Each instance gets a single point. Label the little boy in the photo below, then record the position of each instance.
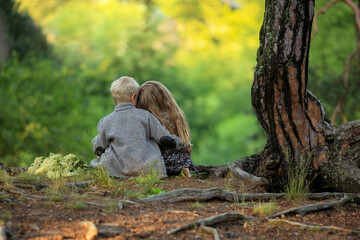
(128, 138)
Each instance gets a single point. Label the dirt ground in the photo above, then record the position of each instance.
(31, 214)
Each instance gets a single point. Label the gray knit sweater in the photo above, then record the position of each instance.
(129, 138)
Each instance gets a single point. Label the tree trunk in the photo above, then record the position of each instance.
(292, 117)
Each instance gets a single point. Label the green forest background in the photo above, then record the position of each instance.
(62, 56)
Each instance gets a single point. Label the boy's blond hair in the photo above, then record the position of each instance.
(122, 89)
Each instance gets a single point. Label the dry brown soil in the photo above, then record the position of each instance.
(26, 215)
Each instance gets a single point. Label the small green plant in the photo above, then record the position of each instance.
(155, 191)
(299, 176)
(181, 175)
(147, 181)
(77, 205)
(265, 209)
(57, 166)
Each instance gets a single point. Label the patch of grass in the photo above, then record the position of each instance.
(76, 205)
(22, 199)
(3, 195)
(12, 203)
(5, 216)
(299, 176)
(59, 184)
(6, 179)
(49, 203)
(110, 207)
(53, 194)
(31, 178)
(56, 198)
(146, 181)
(103, 180)
(197, 204)
(230, 186)
(277, 223)
(265, 209)
(314, 228)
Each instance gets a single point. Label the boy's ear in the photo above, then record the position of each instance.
(133, 99)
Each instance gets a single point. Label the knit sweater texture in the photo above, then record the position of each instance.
(130, 138)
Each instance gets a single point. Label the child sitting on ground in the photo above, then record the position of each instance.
(128, 138)
(157, 99)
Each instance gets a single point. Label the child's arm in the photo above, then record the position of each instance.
(100, 142)
(164, 137)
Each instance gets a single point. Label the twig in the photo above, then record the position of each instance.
(212, 220)
(312, 226)
(303, 210)
(321, 11)
(210, 230)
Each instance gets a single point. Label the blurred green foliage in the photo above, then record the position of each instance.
(203, 51)
(335, 40)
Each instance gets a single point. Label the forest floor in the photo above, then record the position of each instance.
(97, 213)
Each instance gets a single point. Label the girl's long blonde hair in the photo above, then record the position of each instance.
(157, 99)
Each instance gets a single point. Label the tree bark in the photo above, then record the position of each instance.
(292, 117)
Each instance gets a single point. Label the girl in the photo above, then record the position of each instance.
(157, 99)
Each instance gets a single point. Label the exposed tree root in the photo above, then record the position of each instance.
(216, 219)
(209, 221)
(39, 186)
(12, 170)
(217, 171)
(312, 208)
(312, 227)
(190, 194)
